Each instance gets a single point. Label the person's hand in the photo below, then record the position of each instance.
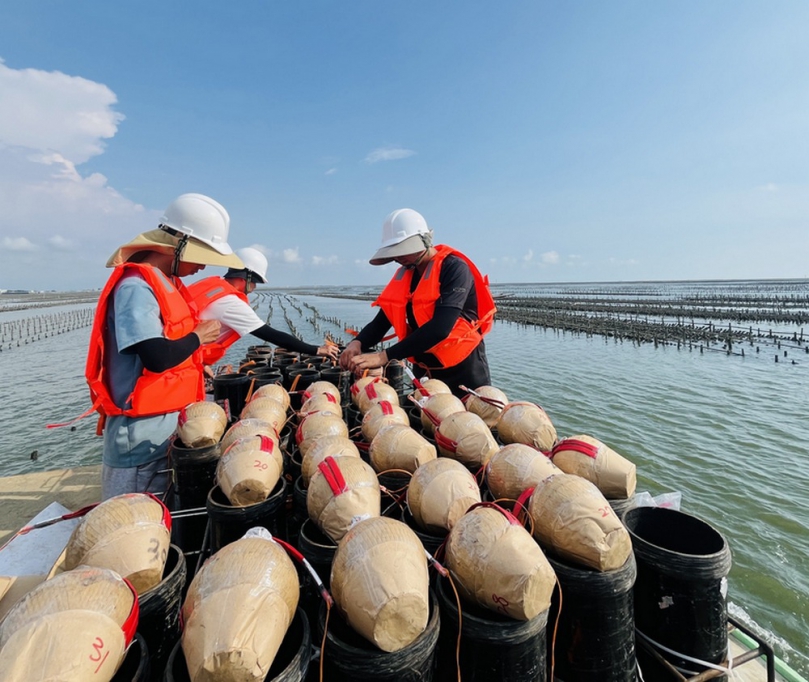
(365, 361)
(207, 370)
(352, 349)
(208, 331)
(329, 350)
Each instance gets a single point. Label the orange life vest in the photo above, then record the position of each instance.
(465, 336)
(155, 392)
(205, 292)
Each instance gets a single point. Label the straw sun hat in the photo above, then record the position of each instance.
(161, 241)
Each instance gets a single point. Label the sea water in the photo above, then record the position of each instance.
(729, 433)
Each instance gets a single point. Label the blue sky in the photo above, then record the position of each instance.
(549, 141)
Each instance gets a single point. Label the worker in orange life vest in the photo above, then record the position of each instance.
(438, 304)
(224, 299)
(144, 364)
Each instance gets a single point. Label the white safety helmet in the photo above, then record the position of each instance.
(404, 231)
(199, 217)
(254, 261)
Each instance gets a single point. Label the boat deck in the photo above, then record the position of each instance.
(22, 497)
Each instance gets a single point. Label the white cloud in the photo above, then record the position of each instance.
(769, 187)
(528, 256)
(51, 111)
(388, 154)
(50, 123)
(18, 244)
(550, 258)
(331, 171)
(324, 260)
(59, 243)
(291, 255)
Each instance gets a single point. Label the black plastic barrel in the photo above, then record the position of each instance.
(297, 514)
(233, 389)
(340, 378)
(595, 637)
(349, 657)
(194, 470)
(319, 551)
(291, 663)
(680, 593)
(229, 523)
(135, 666)
(299, 380)
(394, 373)
(493, 646)
(159, 619)
(431, 541)
(264, 375)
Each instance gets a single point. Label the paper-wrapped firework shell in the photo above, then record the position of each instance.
(359, 385)
(380, 583)
(249, 469)
(488, 412)
(318, 387)
(383, 414)
(431, 387)
(274, 391)
(439, 494)
(342, 491)
(129, 534)
(244, 428)
(464, 436)
(515, 468)
(497, 564)
(585, 456)
(397, 446)
(375, 392)
(440, 405)
(572, 518)
(71, 628)
(326, 446)
(527, 423)
(201, 424)
(317, 425)
(238, 609)
(322, 402)
(268, 410)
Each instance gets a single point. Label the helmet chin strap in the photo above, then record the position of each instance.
(178, 252)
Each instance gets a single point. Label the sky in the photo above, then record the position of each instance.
(549, 141)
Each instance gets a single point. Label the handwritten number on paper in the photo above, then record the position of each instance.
(98, 655)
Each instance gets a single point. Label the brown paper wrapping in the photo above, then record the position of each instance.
(67, 629)
(268, 410)
(335, 514)
(201, 424)
(375, 392)
(397, 446)
(244, 428)
(613, 474)
(317, 425)
(326, 446)
(527, 423)
(572, 518)
(125, 534)
(320, 387)
(498, 565)
(380, 583)
(377, 417)
(274, 391)
(322, 402)
(441, 405)
(487, 412)
(359, 386)
(515, 468)
(249, 469)
(474, 443)
(439, 494)
(431, 387)
(237, 611)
